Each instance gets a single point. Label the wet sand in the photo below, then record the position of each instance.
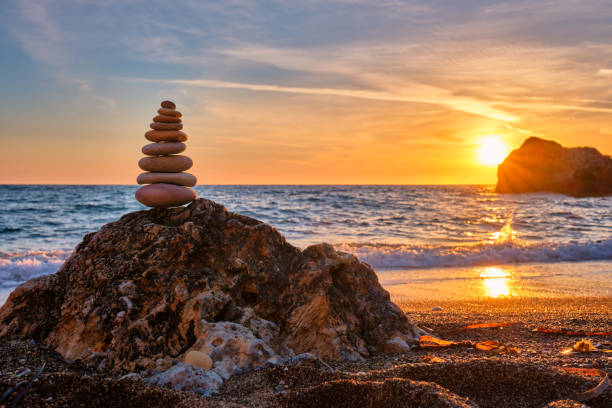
(530, 280)
(444, 377)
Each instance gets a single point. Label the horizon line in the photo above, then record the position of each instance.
(247, 184)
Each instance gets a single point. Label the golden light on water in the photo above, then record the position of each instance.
(495, 282)
(492, 150)
(506, 234)
(494, 272)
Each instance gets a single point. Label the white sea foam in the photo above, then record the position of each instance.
(428, 256)
(18, 267)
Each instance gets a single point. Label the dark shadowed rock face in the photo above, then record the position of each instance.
(142, 291)
(545, 165)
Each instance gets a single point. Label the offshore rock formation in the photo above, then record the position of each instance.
(545, 165)
(142, 292)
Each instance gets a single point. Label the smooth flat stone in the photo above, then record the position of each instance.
(169, 112)
(166, 126)
(168, 105)
(164, 195)
(166, 136)
(166, 119)
(165, 164)
(181, 179)
(156, 149)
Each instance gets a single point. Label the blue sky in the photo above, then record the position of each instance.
(345, 91)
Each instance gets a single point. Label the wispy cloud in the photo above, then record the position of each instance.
(109, 103)
(75, 83)
(41, 37)
(434, 96)
(483, 77)
(46, 41)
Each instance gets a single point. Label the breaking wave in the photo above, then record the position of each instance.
(432, 256)
(16, 268)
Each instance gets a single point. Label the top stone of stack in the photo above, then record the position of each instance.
(167, 182)
(168, 105)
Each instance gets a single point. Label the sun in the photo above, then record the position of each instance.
(492, 150)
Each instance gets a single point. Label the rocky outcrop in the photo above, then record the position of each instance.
(545, 165)
(143, 291)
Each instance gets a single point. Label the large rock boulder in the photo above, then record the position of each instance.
(141, 292)
(545, 165)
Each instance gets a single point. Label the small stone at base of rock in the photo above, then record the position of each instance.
(156, 149)
(168, 105)
(198, 359)
(436, 309)
(164, 195)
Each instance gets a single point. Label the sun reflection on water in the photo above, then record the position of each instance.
(496, 282)
(506, 234)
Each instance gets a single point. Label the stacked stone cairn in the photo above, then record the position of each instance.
(167, 184)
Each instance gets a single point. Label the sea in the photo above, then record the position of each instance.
(424, 242)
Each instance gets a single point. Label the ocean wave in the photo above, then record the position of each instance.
(16, 268)
(443, 256)
(9, 230)
(97, 207)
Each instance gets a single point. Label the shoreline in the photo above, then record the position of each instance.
(530, 377)
(506, 281)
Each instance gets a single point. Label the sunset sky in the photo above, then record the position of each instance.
(299, 92)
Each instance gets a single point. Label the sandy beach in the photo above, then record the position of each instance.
(530, 376)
